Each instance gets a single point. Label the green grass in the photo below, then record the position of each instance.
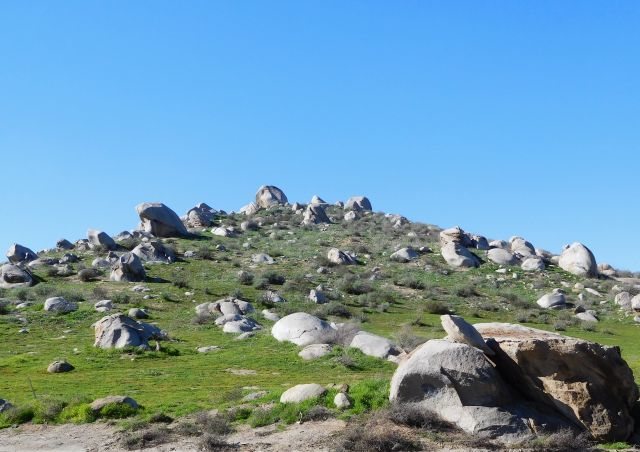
(178, 380)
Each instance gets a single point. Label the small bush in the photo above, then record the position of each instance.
(16, 415)
(78, 414)
(47, 410)
(150, 437)
(117, 411)
(467, 291)
(375, 437)
(213, 424)
(88, 274)
(180, 280)
(333, 308)
(407, 340)
(120, 297)
(436, 307)
(411, 282)
(245, 278)
(206, 253)
(274, 278)
(413, 415)
(354, 286)
(211, 443)
(317, 413)
(99, 293)
(560, 325)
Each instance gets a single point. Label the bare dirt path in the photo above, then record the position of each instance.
(98, 437)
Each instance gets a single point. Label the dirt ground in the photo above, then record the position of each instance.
(307, 437)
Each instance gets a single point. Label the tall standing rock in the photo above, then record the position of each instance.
(18, 253)
(159, 220)
(270, 195)
(579, 260)
(315, 214)
(101, 238)
(128, 268)
(12, 276)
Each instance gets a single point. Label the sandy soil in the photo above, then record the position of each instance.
(307, 437)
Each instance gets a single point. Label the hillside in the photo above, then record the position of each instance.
(272, 254)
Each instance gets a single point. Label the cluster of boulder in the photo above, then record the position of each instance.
(510, 382)
(455, 246)
(317, 337)
(232, 315)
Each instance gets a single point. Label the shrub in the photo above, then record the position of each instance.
(211, 443)
(78, 414)
(411, 282)
(333, 308)
(16, 415)
(213, 424)
(274, 278)
(407, 340)
(245, 278)
(47, 410)
(99, 293)
(150, 437)
(354, 285)
(120, 297)
(317, 413)
(180, 280)
(375, 437)
(117, 411)
(436, 307)
(560, 325)
(88, 274)
(467, 291)
(206, 253)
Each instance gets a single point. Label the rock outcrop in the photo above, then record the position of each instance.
(579, 260)
(128, 268)
(303, 329)
(269, 196)
(119, 331)
(159, 220)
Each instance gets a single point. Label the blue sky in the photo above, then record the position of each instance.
(506, 118)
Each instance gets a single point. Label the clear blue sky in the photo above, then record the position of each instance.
(507, 118)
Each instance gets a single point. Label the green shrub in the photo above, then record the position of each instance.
(16, 415)
(77, 414)
(47, 410)
(117, 411)
(436, 307)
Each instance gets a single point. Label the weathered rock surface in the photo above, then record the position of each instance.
(458, 330)
(270, 195)
(154, 251)
(458, 256)
(18, 253)
(588, 383)
(553, 300)
(579, 260)
(501, 257)
(358, 203)
(101, 239)
(59, 305)
(128, 268)
(339, 257)
(300, 393)
(314, 351)
(533, 264)
(315, 214)
(58, 367)
(200, 216)
(12, 276)
(404, 255)
(119, 331)
(303, 329)
(373, 345)
(159, 220)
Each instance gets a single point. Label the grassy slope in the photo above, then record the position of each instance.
(178, 380)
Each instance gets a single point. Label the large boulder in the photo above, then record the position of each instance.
(588, 383)
(553, 300)
(340, 257)
(457, 382)
(101, 239)
(533, 264)
(315, 214)
(303, 329)
(225, 306)
(154, 251)
(303, 392)
(520, 247)
(501, 257)
(404, 255)
(269, 195)
(18, 253)
(128, 268)
(374, 345)
(458, 256)
(200, 216)
(358, 203)
(119, 331)
(455, 235)
(249, 209)
(579, 260)
(59, 305)
(159, 220)
(64, 244)
(12, 276)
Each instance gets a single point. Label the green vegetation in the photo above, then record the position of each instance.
(402, 301)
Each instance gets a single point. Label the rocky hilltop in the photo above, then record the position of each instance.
(285, 312)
